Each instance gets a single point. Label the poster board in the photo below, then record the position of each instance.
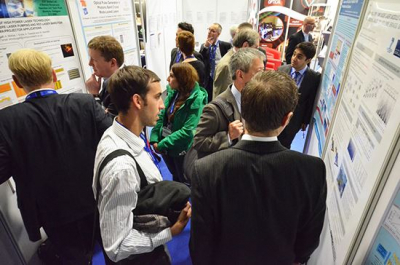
(97, 18)
(43, 26)
(366, 126)
(334, 70)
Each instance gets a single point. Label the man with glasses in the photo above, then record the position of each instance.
(215, 130)
(213, 50)
(302, 36)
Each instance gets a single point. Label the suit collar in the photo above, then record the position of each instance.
(228, 96)
(260, 147)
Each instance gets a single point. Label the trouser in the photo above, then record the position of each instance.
(209, 88)
(157, 257)
(175, 166)
(73, 241)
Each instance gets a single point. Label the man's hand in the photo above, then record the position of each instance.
(155, 147)
(93, 84)
(235, 129)
(208, 42)
(183, 219)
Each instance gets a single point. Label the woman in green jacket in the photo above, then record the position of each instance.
(173, 134)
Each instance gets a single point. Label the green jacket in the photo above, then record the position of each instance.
(184, 125)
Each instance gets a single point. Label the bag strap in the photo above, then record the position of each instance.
(225, 108)
(106, 160)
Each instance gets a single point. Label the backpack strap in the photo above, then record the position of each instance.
(106, 160)
(225, 108)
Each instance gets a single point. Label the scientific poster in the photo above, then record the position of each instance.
(367, 122)
(42, 26)
(386, 245)
(331, 82)
(106, 17)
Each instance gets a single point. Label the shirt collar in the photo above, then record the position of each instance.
(135, 142)
(41, 89)
(301, 71)
(238, 97)
(248, 137)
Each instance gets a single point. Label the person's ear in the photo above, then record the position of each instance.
(286, 119)
(17, 81)
(114, 63)
(137, 101)
(54, 75)
(245, 44)
(308, 60)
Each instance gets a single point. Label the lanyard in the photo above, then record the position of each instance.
(148, 150)
(171, 109)
(40, 94)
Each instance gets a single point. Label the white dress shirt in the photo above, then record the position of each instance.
(120, 184)
(248, 137)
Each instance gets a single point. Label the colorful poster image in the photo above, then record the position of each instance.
(31, 8)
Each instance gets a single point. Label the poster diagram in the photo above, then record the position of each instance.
(42, 26)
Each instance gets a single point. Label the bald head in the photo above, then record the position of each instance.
(308, 24)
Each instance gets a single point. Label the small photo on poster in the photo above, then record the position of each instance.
(397, 49)
(67, 50)
(351, 149)
(386, 104)
(341, 181)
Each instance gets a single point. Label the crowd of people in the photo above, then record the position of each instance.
(84, 164)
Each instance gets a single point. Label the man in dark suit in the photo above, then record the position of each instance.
(48, 144)
(106, 57)
(176, 54)
(307, 81)
(213, 50)
(248, 205)
(301, 36)
(215, 131)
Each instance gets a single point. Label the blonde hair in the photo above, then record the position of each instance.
(32, 68)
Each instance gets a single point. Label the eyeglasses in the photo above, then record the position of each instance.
(212, 30)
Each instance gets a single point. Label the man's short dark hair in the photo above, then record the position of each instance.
(128, 81)
(266, 99)
(307, 48)
(186, 26)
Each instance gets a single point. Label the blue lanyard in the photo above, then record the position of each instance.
(148, 150)
(40, 94)
(171, 110)
(178, 56)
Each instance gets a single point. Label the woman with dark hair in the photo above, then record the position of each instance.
(173, 134)
(186, 43)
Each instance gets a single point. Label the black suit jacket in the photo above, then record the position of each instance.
(250, 207)
(174, 52)
(224, 47)
(293, 41)
(48, 146)
(304, 110)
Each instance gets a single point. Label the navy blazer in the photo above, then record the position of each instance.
(48, 146)
(250, 207)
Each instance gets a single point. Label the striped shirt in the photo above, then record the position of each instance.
(120, 184)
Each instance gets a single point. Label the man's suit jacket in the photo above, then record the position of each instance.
(250, 207)
(224, 47)
(222, 77)
(303, 112)
(105, 100)
(48, 146)
(295, 39)
(212, 130)
(174, 52)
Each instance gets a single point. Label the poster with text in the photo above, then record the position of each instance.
(44, 26)
(385, 247)
(106, 17)
(331, 82)
(367, 122)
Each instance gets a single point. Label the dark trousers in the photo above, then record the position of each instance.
(73, 241)
(209, 88)
(175, 166)
(157, 257)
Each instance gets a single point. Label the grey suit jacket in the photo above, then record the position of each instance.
(256, 203)
(212, 130)
(303, 112)
(223, 77)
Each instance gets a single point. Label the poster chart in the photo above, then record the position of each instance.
(366, 124)
(44, 26)
(386, 245)
(106, 17)
(331, 82)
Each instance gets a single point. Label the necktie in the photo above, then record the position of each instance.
(296, 78)
(212, 60)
